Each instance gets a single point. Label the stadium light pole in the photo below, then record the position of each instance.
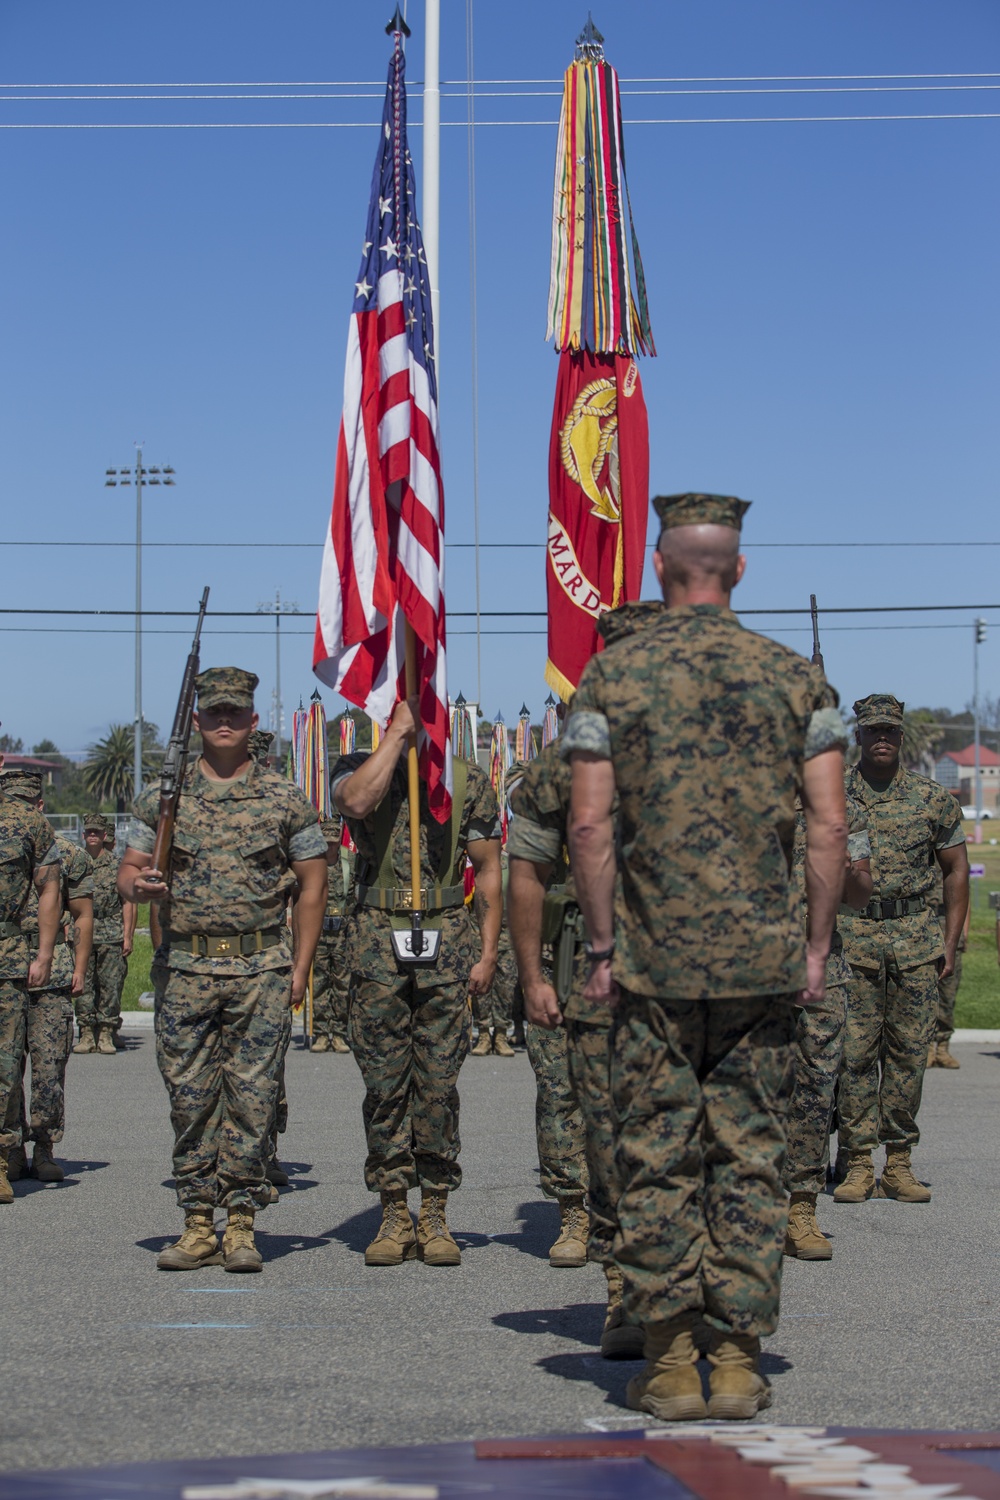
(139, 477)
(275, 609)
(978, 637)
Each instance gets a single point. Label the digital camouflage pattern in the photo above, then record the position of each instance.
(27, 844)
(230, 685)
(694, 509)
(223, 1024)
(708, 727)
(109, 925)
(893, 994)
(879, 708)
(48, 1040)
(944, 1010)
(331, 970)
(562, 1159)
(495, 1009)
(819, 1033)
(700, 1090)
(231, 864)
(588, 1045)
(890, 1024)
(220, 1041)
(101, 1001)
(409, 1025)
(907, 824)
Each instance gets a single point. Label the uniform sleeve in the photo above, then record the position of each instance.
(539, 827)
(826, 731)
(142, 828)
(346, 766)
(529, 840)
(858, 843)
(587, 726)
(79, 875)
(949, 832)
(305, 836)
(480, 815)
(45, 850)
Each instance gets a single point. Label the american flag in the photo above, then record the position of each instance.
(383, 563)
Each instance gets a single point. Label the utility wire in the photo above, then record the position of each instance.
(481, 124)
(473, 92)
(494, 546)
(360, 83)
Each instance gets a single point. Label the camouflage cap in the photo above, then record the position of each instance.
(260, 743)
(96, 822)
(700, 510)
(226, 685)
(19, 783)
(879, 708)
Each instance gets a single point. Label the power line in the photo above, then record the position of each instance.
(463, 83)
(484, 124)
(495, 546)
(479, 93)
(489, 614)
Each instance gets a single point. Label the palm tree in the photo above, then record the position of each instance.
(107, 771)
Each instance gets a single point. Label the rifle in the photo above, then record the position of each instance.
(175, 759)
(817, 655)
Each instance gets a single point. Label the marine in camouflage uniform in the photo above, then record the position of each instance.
(99, 1008)
(939, 1053)
(493, 1012)
(708, 733)
(410, 1023)
(28, 857)
(49, 1028)
(331, 972)
(819, 1049)
(895, 948)
(225, 975)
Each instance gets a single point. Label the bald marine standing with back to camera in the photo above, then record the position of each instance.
(225, 976)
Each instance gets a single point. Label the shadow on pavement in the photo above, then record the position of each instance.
(609, 1376)
(540, 1227)
(582, 1321)
(271, 1246)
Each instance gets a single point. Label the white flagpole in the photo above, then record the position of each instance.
(431, 210)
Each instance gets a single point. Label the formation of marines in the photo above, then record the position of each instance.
(724, 948)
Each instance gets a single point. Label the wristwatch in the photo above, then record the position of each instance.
(598, 955)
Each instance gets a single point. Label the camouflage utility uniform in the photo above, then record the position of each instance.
(222, 975)
(409, 1024)
(49, 1034)
(331, 974)
(494, 1011)
(944, 1010)
(893, 948)
(708, 727)
(819, 1034)
(27, 844)
(101, 1001)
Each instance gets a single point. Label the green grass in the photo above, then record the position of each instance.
(978, 1003)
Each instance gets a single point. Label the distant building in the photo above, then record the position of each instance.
(51, 771)
(956, 771)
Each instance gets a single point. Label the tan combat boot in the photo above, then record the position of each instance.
(106, 1041)
(737, 1389)
(803, 1238)
(339, 1044)
(275, 1173)
(484, 1044)
(898, 1180)
(859, 1181)
(320, 1044)
(670, 1385)
(238, 1248)
(86, 1042)
(570, 1249)
(943, 1058)
(17, 1163)
(6, 1191)
(501, 1046)
(437, 1248)
(931, 1056)
(197, 1246)
(43, 1165)
(396, 1240)
(619, 1340)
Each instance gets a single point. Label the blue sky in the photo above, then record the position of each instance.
(824, 297)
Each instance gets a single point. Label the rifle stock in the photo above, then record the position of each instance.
(175, 759)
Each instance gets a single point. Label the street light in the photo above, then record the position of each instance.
(979, 635)
(275, 610)
(138, 476)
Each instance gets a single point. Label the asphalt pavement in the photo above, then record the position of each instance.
(107, 1360)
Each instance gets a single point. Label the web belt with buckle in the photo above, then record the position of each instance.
(10, 929)
(400, 898)
(230, 944)
(34, 939)
(883, 911)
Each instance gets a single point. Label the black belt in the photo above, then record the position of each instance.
(225, 944)
(883, 911)
(10, 929)
(33, 939)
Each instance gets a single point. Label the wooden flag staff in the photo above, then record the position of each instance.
(413, 787)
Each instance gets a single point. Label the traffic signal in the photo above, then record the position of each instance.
(980, 632)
